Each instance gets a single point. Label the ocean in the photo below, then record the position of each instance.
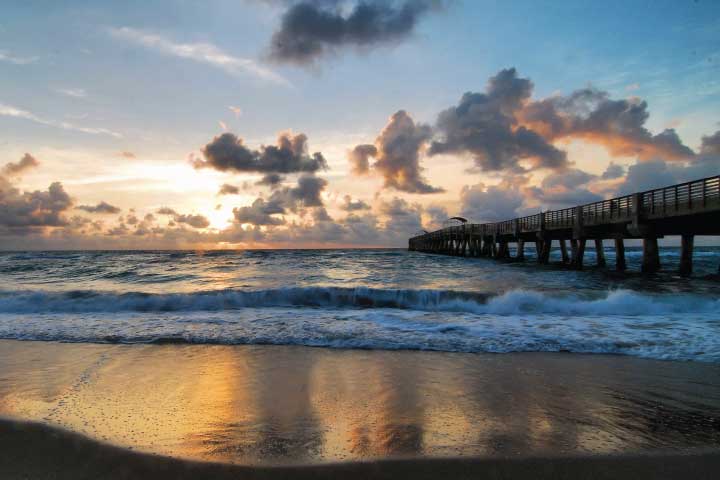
(362, 299)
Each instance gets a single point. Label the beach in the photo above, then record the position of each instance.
(311, 411)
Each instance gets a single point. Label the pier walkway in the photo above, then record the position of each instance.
(684, 210)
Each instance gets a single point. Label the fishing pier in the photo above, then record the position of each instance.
(685, 210)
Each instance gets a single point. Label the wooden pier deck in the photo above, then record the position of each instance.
(684, 210)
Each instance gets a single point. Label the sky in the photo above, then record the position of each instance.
(336, 123)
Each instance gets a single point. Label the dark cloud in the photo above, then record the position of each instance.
(260, 213)
(227, 153)
(397, 155)
(360, 158)
(227, 189)
(25, 163)
(618, 125)
(271, 179)
(195, 221)
(613, 171)
(102, 207)
(711, 144)
(41, 208)
(350, 205)
(484, 125)
(311, 29)
(307, 193)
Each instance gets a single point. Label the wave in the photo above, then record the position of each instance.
(515, 302)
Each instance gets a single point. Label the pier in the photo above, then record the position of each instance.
(684, 210)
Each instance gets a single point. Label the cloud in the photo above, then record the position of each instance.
(195, 221)
(436, 215)
(9, 58)
(307, 193)
(360, 158)
(481, 204)
(127, 154)
(401, 216)
(166, 211)
(236, 110)
(653, 174)
(25, 163)
(711, 144)
(72, 92)
(206, 53)
(397, 155)
(618, 125)
(260, 213)
(227, 189)
(10, 111)
(227, 152)
(33, 209)
(613, 171)
(562, 190)
(484, 125)
(350, 205)
(313, 29)
(102, 207)
(271, 179)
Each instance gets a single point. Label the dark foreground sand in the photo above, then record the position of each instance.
(34, 451)
(161, 411)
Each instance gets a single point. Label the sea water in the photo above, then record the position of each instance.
(369, 299)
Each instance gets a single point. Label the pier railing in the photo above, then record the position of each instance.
(684, 198)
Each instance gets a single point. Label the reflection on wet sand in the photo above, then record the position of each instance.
(268, 404)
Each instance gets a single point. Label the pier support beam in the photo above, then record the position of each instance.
(620, 264)
(579, 253)
(564, 252)
(600, 252)
(651, 255)
(686, 254)
(545, 252)
(503, 250)
(520, 255)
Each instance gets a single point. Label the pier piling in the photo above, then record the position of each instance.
(651, 255)
(686, 254)
(600, 253)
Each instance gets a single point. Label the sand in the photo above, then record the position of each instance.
(128, 411)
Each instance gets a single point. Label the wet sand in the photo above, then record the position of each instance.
(277, 406)
(38, 452)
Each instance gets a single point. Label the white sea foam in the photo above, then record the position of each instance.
(669, 326)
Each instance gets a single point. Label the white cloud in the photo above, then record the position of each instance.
(72, 92)
(200, 52)
(10, 111)
(7, 57)
(236, 110)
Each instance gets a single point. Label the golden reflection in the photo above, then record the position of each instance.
(261, 404)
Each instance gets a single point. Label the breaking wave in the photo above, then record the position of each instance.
(514, 302)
